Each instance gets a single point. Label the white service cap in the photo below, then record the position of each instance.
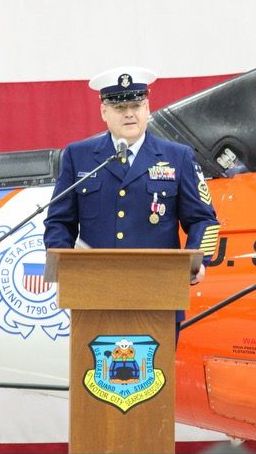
(127, 83)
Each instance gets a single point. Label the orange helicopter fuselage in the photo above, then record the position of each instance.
(216, 356)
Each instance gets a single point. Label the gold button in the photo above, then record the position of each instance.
(84, 190)
(121, 214)
(122, 193)
(123, 160)
(120, 235)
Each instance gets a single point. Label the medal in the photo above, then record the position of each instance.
(154, 218)
(162, 209)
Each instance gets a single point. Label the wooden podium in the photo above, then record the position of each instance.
(129, 296)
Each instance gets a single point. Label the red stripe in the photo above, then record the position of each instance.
(34, 448)
(51, 114)
(199, 447)
(195, 447)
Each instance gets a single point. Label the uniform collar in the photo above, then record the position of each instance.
(135, 147)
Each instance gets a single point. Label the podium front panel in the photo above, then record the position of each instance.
(99, 427)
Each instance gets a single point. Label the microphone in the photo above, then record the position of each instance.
(121, 148)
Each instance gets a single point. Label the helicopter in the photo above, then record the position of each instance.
(216, 355)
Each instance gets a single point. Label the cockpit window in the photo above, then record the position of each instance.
(29, 168)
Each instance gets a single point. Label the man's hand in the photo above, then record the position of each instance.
(199, 275)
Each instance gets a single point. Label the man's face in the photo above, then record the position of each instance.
(126, 120)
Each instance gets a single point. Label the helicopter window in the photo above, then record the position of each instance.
(230, 162)
(29, 168)
(231, 158)
(227, 159)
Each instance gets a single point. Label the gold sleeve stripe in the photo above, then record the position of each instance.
(212, 227)
(210, 239)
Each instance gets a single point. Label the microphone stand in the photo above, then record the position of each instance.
(59, 196)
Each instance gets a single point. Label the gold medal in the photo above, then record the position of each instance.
(154, 218)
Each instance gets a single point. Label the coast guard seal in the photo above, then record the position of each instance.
(26, 300)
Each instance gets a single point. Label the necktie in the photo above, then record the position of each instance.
(125, 162)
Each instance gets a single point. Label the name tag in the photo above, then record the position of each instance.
(84, 174)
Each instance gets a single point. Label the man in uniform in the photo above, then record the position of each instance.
(140, 203)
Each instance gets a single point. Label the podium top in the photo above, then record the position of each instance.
(55, 256)
(122, 279)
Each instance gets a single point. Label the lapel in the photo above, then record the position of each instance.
(104, 149)
(147, 156)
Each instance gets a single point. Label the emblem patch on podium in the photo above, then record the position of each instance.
(124, 373)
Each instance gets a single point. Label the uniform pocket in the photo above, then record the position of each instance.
(162, 188)
(166, 195)
(89, 198)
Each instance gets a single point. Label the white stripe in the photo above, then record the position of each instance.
(37, 43)
(253, 256)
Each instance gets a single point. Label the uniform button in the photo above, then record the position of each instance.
(164, 193)
(123, 160)
(84, 190)
(120, 235)
(121, 214)
(122, 193)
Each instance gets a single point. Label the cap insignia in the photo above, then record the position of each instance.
(125, 80)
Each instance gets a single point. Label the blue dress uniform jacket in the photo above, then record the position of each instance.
(111, 209)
